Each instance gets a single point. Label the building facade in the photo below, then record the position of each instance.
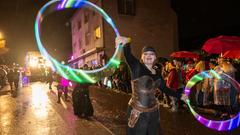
(147, 23)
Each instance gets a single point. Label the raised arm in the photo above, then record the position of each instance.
(131, 60)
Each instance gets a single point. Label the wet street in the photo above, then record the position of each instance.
(33, 110)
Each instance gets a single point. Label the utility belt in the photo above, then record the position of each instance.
(137, 109)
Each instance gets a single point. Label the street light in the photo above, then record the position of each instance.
(1, 35)
(2, 41)
(3, 48)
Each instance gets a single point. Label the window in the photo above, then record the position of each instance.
(87, 38)
(75, 47)
(88, 62)
(86, 17)
(83, 50)
(79, 24)
(93, 13)
(126, 7)
(75, 65)
(97, 33)
(80, 43)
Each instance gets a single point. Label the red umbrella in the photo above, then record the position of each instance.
(221, 44)
(184, 54)
(234, 54)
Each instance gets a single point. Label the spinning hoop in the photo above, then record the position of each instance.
(78, 75)
(216, 125)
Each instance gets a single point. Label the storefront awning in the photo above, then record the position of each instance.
(86, 54)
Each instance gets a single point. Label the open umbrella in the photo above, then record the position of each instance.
(184, 54)
(221, 44)
(234, 54)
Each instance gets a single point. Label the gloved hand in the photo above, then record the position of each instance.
(120, 40)
(157, 66)
(184, 97)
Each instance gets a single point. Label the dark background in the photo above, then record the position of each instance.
(17, 25)
(199, 20)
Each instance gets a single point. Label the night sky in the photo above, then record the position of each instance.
(17, 25)
(198, 20)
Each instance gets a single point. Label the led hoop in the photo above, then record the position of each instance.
(216, 125)
(67, 72)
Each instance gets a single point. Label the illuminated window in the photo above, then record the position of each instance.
(97, 33)
(2, 43)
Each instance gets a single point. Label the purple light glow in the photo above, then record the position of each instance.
(59, 7)
(199, 118)
(216, 125)
(187, 91)
(209, 123)
(220, 127)
(238, 120)
(63, 4)
(230, 125)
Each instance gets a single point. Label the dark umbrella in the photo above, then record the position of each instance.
(221, 44)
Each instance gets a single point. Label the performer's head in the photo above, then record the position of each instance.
(148, 55)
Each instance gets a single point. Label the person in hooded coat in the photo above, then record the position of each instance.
(82, 105)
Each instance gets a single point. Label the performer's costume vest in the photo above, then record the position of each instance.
(143, 94)
(143, 97)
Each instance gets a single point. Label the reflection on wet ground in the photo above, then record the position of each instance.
(34, 111)
(39, 101)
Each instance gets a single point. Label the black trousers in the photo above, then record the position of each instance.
(148, 124)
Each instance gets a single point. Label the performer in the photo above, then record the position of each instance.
(65, 83)
(50, 78)
(59, 92)
(10, 77)
(82, 105)
(143, 109)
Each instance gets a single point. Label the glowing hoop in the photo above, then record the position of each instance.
(78, 75)
(216, 125)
